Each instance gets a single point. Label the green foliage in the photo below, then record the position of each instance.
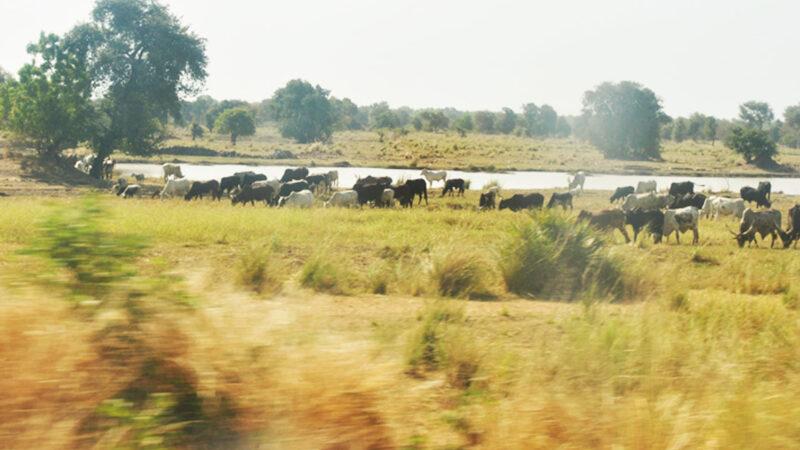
(236, 122)
(197, 131)
(304, 112)
(507, 121)
(433, 121)
(542, 121)
(680, 129)
(51, 103)
(465, 122)
(756, 114)
(485, 122)
(460, 274)
(213, 114)
(255, 271)
(149, 426)
(348, 115)
(752, 143)
(425, 349)
(381, 116)
(623, 120)
(321, 275)
(710, 129)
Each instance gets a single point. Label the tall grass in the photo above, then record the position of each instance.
(460, 273)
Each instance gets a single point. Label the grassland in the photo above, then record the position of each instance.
(473, 152)
(326, 329)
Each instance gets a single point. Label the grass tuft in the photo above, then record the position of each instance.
(460, 274)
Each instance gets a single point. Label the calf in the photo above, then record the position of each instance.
(518, 202)
(451, 186)
(562, 200)
(620, 193)
(644, 187)
(252, 195)
(652, 220)
(294, 174)
(610, 219)
(751, 195)
(487, 200)
(762, 222)
(681, 189)
(200, 189)
(292, 186)
(302, 199)
(415, 188)
(680, 221)
(132, 190)
(343, 199)
(696, 200)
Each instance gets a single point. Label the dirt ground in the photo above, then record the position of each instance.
(22, 175)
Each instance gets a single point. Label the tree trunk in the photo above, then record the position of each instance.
(233, 139)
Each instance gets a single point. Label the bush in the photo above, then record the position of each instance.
(753, 144)
(425, 347)
(322, 276)
(253, 271)
(554, 257)
(460, 274)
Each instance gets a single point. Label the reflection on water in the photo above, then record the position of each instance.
(508, 180)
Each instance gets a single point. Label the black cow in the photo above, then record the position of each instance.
(488, 200)
(294, 174)
(519, 202)
(249, 178)
(681, 189)
(562, 200)
(621, 192)
(451, 186)
(292, 186)
(253, 195)
(793, 234)
(765, 187)
(696, 200)
(418, 188)
(403, 195)
(228, 184)
(652, 219)
(751, 195)
(370, 180)
(200, 189)
(370, 193)
(315, 181)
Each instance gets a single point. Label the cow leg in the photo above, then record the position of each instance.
(625, 234)
(696, 239)
(678, 236)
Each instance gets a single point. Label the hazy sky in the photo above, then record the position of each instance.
(697, 55)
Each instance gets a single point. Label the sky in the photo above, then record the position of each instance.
(696, 55)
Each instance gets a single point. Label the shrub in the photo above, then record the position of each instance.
(253, 271)
(425, 345)
(322, 276)
(459, 274)
(753, 144)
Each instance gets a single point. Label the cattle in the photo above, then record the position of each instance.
(762, 222)
(176, 187)
(793, 234)
(132, 190)
(292, 186)
(387, 198)
(370, 193)
(120, 186)
(577, 181)
(432, 176)
(343, 199)
(518, 202)
(252, 195)
(302, 199)
(294, 174)
(332, 177)
(652, 220)
(696, 200)
(199, 189)
(108, 168)
(412, 188)
(681, 189)
(228, 184)
(453, 186)
(620, 193)
(720, 206)
(751, 195)
(680, 221)
(138, 177)
(562, 200)
(385, 182)
(609, 219)
(488, 200)
(646, 186)
(766, 188)
(171, 169)
(648, 201)
(316, 182)
(85, 163)
(248, 178)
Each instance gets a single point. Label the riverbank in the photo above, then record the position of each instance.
(449, 151)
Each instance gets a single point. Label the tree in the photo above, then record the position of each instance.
(710, 129)
(563, 128)
(236, 122)
(623, 120)
(197, 131)
(548, 120)
(5, 76)
(51, 103)
(695, 126)
(304, 112)
(756, 114)
(433, 120)
(752, 143)
(221, 107)
(791, 116)
(507, 121)
(195, 111)
(143, 61)
(680, 129)
(465, 122)
(347, 114)
(484, 122)
(381, 116)
(532, 120)
(791, 126)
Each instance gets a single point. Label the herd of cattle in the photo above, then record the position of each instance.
(661, 214)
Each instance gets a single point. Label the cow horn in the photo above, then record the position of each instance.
(731, 231)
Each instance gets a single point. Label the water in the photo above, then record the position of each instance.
(525, 180)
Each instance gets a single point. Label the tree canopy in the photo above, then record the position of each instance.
(236, 122)
(752, 143)
(623, 120)
(304, 112)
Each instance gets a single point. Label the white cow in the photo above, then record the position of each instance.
(680, 221)
(343, 199)
(432, 176)
(85, 163)
(577, 181)
(387, 198)
(176, 187)
(646, 186)
(648, 201)
(302, 199)
(332, 178)
(715, 206)
(171, 169)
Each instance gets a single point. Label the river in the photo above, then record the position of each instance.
(525, 180)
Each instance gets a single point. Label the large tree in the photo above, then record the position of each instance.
(221, 107)
(304, 112)
(236, 122)
(50, 105)
(753, 144)
(506, 121)
(756, 114)
(143, 61)
(623, 120)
